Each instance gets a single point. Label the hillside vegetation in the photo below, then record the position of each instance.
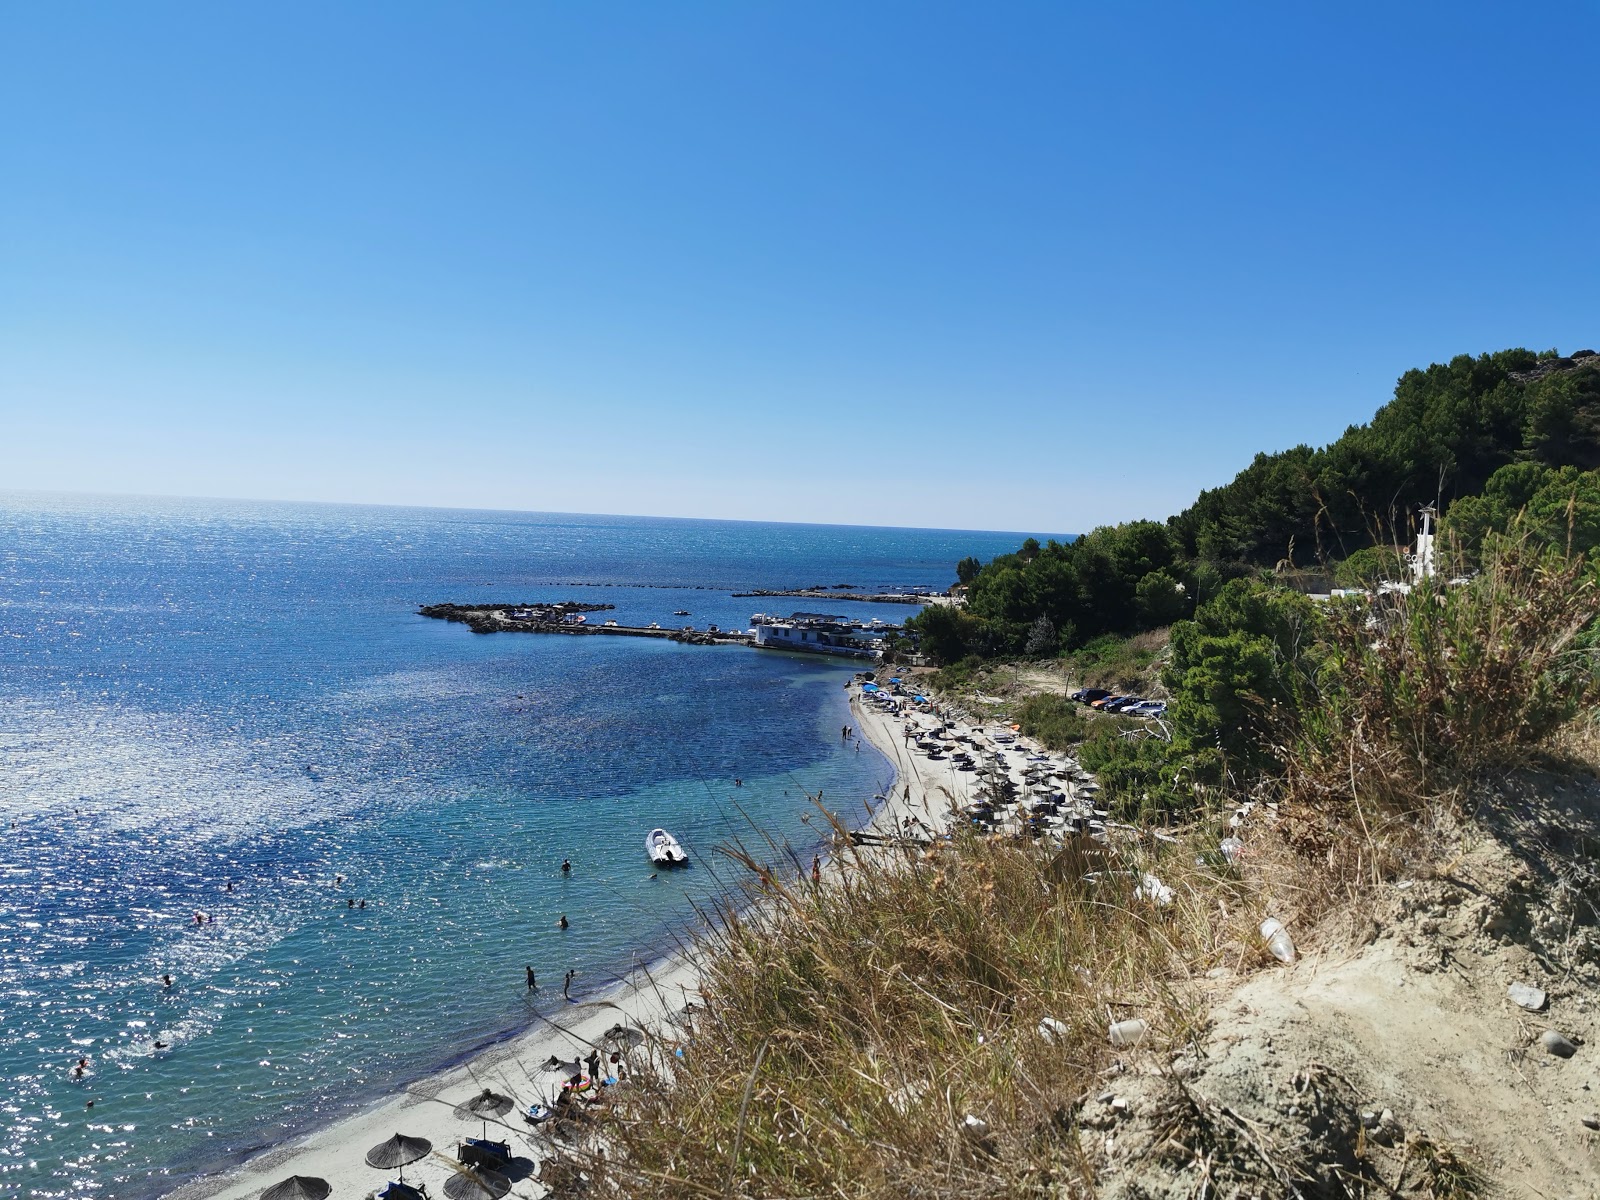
(1256, 673)
(1488, 440)
(1404, 781)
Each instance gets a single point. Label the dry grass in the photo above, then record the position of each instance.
(1427, 693)
(881, 1035)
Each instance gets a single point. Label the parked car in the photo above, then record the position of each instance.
(1150, 708)
(1103, 701)
(1087, 695)
(1122, 703)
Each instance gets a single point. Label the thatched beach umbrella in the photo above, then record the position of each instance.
(484, 1105)
(554, 1074)
(298, 1187)
(623, 1037)
(397, 1152)
(476, 1184)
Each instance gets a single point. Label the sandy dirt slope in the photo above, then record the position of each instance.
(1394, 1062)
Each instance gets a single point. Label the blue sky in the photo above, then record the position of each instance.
(984, 265)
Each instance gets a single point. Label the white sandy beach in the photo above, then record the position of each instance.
(924, 792)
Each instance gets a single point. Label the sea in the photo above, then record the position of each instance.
(233, 709)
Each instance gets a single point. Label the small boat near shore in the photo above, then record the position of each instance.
(663, 849)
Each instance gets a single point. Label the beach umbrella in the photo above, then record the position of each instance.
(484, 1105)
(397, 1152)
(298, 1187)
(473, 1184)
(623, 1037)
(555, 1074)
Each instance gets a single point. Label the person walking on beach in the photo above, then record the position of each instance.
(593, 1063)
(533, 983)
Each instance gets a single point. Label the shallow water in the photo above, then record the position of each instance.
(199, 694)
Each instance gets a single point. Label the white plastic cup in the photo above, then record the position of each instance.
(1278, 940)
(1128, 1033)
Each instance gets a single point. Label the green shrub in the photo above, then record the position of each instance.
(1054, 721)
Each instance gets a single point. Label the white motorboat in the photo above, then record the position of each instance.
(663, 849)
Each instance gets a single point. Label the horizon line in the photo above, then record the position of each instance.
(532, 512)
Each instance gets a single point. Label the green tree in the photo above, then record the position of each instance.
(1238, 672)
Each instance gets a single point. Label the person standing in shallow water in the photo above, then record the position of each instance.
(566, 987)
(566, 866)
(563, 922)
(533, 983)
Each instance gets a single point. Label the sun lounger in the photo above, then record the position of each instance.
(403, 1191)
(477, 1152)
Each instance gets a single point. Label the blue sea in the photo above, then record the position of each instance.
(223, 708)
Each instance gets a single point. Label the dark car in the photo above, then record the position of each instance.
(1087, 695)
(1120, 703)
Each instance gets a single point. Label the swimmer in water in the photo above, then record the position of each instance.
(563, 921)
(566, 866)
(161, 1045)
(166, 981)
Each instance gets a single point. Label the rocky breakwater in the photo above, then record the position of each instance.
(492, 618)
(569, 617)
(831, 593)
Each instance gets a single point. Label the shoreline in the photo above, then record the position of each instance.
(920, 801)
(651, 997)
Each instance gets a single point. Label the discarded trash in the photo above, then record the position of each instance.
(1152, 889)
(1052, 1030)
(1528, 996)
(1278, 940)
(976, 1126)
(1128, 1033)
(1231, 848)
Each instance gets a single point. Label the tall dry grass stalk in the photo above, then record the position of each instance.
(1421, 694)
(880, 1035)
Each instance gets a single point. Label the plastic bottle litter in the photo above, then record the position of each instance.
(1278, 940)
(1052, 1030)
(1128, 1033)
(1231, 848)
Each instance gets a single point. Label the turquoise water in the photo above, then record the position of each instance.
(195, 695)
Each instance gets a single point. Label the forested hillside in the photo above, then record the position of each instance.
(1506, 439)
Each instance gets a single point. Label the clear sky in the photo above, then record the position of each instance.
(984, 265)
